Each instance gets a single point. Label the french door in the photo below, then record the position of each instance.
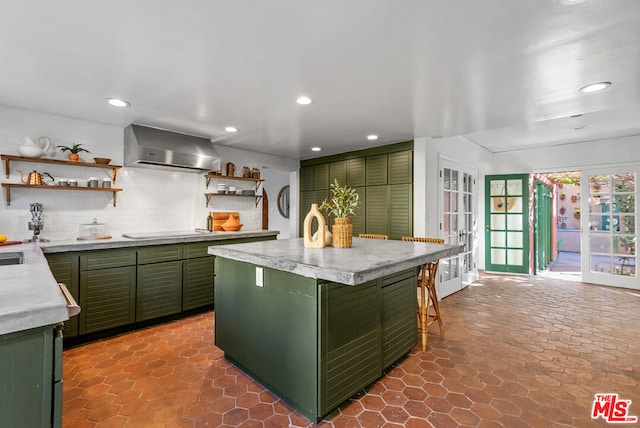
(457, 187)
(608, 220)
(507, 223)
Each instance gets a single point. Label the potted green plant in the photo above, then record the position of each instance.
(343, 202)
(73, 151)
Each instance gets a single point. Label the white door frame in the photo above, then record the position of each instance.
(593, 276)
(459, 279)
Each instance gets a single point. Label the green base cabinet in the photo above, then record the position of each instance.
(197, 282)
(314, 343)
(107, 298)
(31, 378)
(117, 287)
(65, 269)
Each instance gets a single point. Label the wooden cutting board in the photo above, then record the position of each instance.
(222, 216)
(10, 243)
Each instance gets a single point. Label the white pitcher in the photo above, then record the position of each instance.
(30, 149)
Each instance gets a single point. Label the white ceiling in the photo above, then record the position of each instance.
(503, 73)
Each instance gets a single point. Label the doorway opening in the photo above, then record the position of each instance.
(567, 215)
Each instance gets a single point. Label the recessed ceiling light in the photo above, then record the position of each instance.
(303, 100)
(595, 87)
(231, 129)
(315, 149)
(372, 137)
(118, 102)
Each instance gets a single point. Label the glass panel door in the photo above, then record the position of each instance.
(457, 226)
(609, 227)
(507, 223)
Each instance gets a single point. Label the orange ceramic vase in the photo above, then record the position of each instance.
(232, 224)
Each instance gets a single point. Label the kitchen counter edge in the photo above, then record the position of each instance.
(121, 242)
(366, 260)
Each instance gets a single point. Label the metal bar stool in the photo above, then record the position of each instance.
(373, 236)
(428, 295)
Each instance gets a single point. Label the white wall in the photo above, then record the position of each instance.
(151, 200)
(426, 199)
(275, 180)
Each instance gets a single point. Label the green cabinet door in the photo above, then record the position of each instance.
(197, 282)
(306, 178)
(321, 176)
(26, 378)
(338, 171)
(349, 340)
(358, 221)
(377, 209)
(376, 170)
(355, 172)
(65, 269)
(400, 211)
(399, 304)
(107, 298)
(400, 166)
(159, 290)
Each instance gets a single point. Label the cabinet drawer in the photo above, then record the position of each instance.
(107, 259)
(397, 277)
(160, 253)
(197, 249)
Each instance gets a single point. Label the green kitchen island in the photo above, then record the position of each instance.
(313, 325)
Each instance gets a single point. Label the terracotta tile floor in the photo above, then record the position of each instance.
(518, 352)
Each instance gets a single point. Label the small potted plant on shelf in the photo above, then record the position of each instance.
(562, 196)
(73, 151)
(342, 204)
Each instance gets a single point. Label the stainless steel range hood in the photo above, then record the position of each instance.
(156, 148)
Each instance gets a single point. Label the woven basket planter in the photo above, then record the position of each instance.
(342, 231)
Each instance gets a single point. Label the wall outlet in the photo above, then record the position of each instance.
(259, 277)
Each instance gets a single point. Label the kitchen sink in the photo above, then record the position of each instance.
(15, 258)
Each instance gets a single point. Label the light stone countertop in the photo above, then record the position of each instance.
(29, 294)
(156, 238)
(366, 260)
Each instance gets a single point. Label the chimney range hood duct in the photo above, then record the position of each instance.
(156, 148)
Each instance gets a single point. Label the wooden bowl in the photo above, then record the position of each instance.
(102, 161)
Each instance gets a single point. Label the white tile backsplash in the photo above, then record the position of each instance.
(151, 200)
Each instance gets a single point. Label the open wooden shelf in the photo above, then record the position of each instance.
(222, 195)
(256, 181)
(9, 186)
(210, 177)
(9, 158)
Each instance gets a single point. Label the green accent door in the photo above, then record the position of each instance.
(542, 225)
(507, 223)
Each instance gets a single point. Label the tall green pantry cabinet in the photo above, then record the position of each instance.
(382, 177)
